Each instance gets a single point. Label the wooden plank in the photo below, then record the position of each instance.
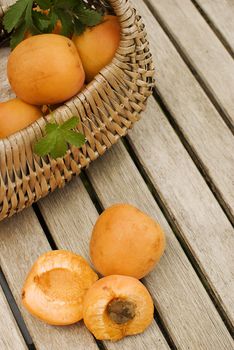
(179, 296)
(70, 216)
(201, 47)
(21, 242)
(195, 212)
(196, 117)
(5, 90)
(10, 336)
(220, 14)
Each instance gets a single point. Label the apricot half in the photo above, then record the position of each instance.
(117, 306)
(45, 69)
(97, 45)
(126, 241)
(55, 287)
(16, 115)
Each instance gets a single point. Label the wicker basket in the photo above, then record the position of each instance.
(107, 108)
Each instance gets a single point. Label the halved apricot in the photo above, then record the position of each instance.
(117, 306)
(126, 241)
(55, 287)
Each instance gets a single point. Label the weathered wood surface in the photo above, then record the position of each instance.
(70, 216)
(10, 337)
(184, 306)
(194, 211)
(115, 179)
(220, 13)
(5, 90)
(202, 48)
(202, 126)
(22, 241)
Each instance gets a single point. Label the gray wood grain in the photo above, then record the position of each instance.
(5, 90)
(178, 293)
(10, 336)
(202, 126)
(179, 296)
(220, 13)
(21, 242)
(70, 216)
(202, 48)
(198, 217)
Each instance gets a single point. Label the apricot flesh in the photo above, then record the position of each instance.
(45, 69)
(16, 115)
(55, 287)
(126, 241)
(97, 45)
(117, 306)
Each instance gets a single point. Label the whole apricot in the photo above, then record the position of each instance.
(16, 115)
(97, 45)
(117, 306)
(45, 69)
(55, 287)
(126, 241)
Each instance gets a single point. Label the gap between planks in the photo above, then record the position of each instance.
(195, 157)
(220, 106)
(214, 27)
(176, 230)
(196, 117)
(60, 211)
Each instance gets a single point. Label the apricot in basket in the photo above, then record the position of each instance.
(16, 115)
(117, 306)
(45, 69)
(55, 287)
(126, 241)
(97, 45)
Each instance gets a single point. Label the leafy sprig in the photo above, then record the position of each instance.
(58, 136)
(41, 16)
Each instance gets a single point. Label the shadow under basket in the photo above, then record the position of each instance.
(107, 108)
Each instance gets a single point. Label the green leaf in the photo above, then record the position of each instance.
(41, 21)
(87, 16)
(28, 13)
(18, 35)
(79, 27)
(57, 138)
(60, 147)
(66, 4)
(45, 145)
(70, 123)
(51, 127)
(66, 20)
(13, 15)
(74, 138)
(44, 4)
(53, 20)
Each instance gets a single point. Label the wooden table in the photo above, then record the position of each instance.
(178, 166)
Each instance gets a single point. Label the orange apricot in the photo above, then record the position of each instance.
(117, 306)
(55, 287)
(126, 241)
(16, 115)
(45, 69)
(97, 45)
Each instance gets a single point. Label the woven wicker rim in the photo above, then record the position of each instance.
(107, 108)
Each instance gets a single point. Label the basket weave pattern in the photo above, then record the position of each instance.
(107, 108)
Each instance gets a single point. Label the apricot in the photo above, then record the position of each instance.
(55, 287)
(97, 45)
(45, 69)
(126, 241)
(16, 115)
(117, 306)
